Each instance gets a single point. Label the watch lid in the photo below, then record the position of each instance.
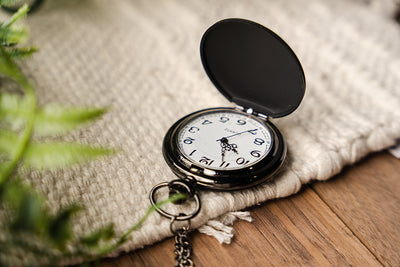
(253, 67)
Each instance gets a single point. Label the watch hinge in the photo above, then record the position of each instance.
(251, 112)
(240, 108)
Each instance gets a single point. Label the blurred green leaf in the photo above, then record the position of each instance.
(13, 192)
(19, 15)
(11, 34)
(10, 69)
(60, 229)
(55, 119)
(20, 119)
(3, 165)
(50, 120)
(13, 110)
(8, 141)
(30, 214)
(10, 103)
(6, 2)
(95, 237)
(24, 52)
(56, 154)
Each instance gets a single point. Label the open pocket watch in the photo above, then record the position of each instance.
(232, 148)
(236, 148)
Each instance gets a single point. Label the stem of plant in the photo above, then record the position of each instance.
(29, 92)
(125, 236)
(26, 135)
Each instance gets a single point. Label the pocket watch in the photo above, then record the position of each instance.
(232, 148)
(227, 148)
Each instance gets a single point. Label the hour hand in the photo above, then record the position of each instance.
(224, 145)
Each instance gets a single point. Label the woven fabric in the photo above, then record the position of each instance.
(141, 58)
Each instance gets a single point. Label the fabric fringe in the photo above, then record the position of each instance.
(219, 228)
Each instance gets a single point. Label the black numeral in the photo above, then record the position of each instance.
(256, 153)
(253, 131)
(259, 141)
(194, 129)
(206, 122)
(224, 164)
(188, 140)
(206, 161)
(192, 152)
(241, 161)
(241, 122)
(223, 119)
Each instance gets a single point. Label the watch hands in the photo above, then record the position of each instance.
(226, 137)
(225, 146)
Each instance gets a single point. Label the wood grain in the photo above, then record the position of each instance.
(296, 231)
(367, 199)
(352, 219)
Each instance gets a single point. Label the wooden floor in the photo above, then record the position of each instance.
(352, 219)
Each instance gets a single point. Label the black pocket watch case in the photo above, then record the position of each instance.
(255, 69)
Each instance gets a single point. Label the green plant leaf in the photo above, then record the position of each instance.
(10, 103)
(12, 193)
(13, 110)
(60, 229)
(50, 120)
(9, 69)
(56, 154)
(6, 2)
(30, 215)
(3, 166)
(13, 35)
(24, 52)
(93, 239)
(55, 119)
(21, 13)
(8, 141)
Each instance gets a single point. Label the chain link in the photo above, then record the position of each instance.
(183, 249)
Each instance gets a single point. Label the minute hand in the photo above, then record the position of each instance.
(236, 134)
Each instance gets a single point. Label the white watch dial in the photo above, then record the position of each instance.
(223, 140)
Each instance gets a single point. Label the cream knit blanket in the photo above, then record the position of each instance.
(141, 58)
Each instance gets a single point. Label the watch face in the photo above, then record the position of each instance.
(224, 140)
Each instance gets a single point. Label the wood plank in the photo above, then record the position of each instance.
(352, 219)
(300, 230)
(159, 254)
(367, 199)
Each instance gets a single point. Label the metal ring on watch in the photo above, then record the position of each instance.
(180, 217)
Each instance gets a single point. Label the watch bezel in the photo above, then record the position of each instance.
(210, 178)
